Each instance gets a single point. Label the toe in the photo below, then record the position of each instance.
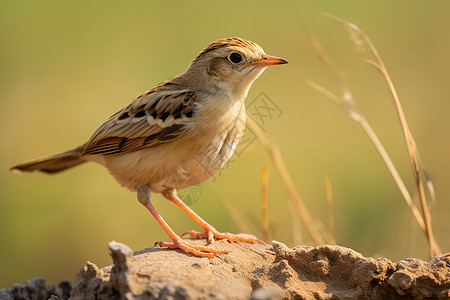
(197, 250)
(211, 237)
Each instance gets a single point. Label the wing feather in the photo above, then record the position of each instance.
(156, 117)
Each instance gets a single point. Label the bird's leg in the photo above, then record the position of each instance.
(210, 232)
(144, 197)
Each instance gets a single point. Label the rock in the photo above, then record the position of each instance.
(261, 272)
(35, 289)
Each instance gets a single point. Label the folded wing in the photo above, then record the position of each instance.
(156, 117)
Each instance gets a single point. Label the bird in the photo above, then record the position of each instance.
(176, 135)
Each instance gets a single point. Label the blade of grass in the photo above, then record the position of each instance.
(296, 225)
(332, 239)
(280, 167)
(347, 102)
(358, 117)
(236, 216)
(265, 214)
(358, 34)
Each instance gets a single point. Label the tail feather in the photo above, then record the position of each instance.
(53, 163)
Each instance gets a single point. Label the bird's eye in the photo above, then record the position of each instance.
(235, 58)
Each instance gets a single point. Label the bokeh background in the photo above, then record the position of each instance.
(66, 66)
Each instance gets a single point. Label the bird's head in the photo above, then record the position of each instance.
(230, 65)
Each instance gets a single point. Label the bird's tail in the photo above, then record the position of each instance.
(53, 163)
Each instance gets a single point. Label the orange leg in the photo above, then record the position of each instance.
(210, 232)
(178, 243)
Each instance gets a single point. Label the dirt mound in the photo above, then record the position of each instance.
(247, 272)
(261, 272)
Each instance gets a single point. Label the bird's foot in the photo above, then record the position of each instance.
(211, 234)
(197, 250)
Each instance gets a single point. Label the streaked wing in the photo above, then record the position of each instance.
(155, 117)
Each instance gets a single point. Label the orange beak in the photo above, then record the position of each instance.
(268, 60)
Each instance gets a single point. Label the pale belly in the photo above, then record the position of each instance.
(209, 161)
(174, 166)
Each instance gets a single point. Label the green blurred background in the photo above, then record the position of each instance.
(66, 66)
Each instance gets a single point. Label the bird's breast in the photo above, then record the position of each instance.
(218, 140)
(192, 159)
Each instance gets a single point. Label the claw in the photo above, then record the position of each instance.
(191, 248)
(212, 234)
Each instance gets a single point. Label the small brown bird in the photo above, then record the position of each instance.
(177, 134)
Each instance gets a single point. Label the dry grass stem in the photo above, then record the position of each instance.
(358, 117)
(332, 238)
(296, 225)
(237, 218)
(265, 214)
(347, 102)
(294, 197)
